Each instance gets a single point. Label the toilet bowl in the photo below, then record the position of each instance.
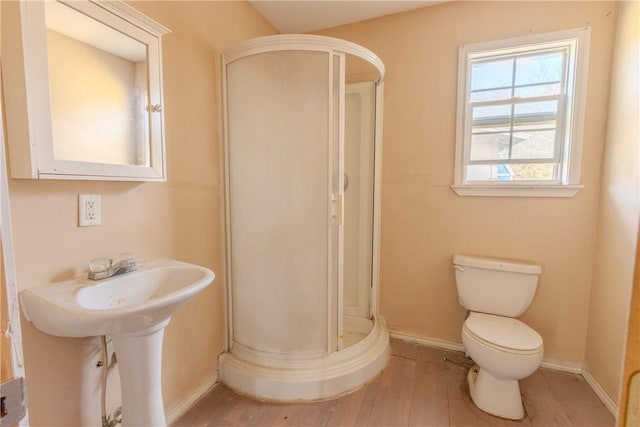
(505, 351)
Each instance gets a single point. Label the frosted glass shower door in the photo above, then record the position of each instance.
(358, 205)
(283, 242)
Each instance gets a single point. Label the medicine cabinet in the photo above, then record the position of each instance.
(83, 91)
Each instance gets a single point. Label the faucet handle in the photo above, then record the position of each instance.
(98, 265)
(125, 260)
(123, 256)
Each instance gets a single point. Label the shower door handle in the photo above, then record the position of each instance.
(346, 182)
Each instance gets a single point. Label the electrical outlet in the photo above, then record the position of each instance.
(89, 210)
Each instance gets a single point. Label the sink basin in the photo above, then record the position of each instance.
(127, 303)
(133, 308)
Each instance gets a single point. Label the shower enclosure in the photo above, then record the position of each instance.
(302, 162)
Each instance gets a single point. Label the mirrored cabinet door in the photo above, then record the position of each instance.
(85, 99)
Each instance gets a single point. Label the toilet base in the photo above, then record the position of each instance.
(495, 396)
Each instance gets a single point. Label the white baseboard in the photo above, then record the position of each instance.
(429, 342)
(574, 368)
(182, 407)
(597, 388)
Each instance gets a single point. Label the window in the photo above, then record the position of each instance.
(520, 114)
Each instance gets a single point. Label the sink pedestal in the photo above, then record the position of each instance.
(132, 308)
(140, 363)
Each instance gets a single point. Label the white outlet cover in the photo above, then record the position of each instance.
(89, 210)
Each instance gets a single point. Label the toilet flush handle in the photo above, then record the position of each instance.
(457, 267)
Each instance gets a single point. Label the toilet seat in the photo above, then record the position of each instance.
(503, 333)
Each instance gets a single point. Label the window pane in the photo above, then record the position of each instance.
(489, 146)
(490, 95)
(492, 128)
(538, 90)
(493, 113)
(486, 173)
(513, 172)
(534, 126)
(539, 69)
(533, 145)
(494, 74)
(535, 111)
(533, 171)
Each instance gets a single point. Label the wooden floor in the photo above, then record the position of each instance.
(421, 386)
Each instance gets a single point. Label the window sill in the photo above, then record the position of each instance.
(502, 190)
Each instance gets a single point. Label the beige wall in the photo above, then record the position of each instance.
(424, 222)
(619, 211)
(178, 219)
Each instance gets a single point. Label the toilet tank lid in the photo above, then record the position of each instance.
(512, 265)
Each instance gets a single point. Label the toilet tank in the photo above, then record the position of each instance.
(504, 287)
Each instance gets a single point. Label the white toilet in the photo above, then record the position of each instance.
(495, 291)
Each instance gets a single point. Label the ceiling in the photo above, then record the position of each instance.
(302, 16)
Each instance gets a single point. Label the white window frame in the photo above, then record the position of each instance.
(568, 184)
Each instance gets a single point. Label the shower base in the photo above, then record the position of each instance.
(355, 330)
(268, 378)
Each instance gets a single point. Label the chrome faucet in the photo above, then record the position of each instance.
(101, 268)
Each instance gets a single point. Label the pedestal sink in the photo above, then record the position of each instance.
(133, 308)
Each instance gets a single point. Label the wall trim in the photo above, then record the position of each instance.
(597, 388)
(574, 368)
(430, 342)
(181, 408)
